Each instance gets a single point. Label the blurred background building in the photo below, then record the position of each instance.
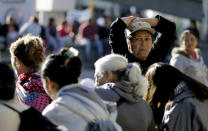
(78, 11)
(182, 10)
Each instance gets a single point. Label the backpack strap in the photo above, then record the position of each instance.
(75, 111)
(76, 96)
(12, 108)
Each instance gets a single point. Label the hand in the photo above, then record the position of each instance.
(128, 20)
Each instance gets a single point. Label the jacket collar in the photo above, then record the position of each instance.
(67, 87)
(182, 91)
(32, 73)
(179, 50)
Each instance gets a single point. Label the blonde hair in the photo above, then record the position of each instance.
(29, 49)
(115, 62)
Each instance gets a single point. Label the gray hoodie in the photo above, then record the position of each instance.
(134, 113)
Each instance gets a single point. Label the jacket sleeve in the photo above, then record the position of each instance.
(163, 41)
(117, 39)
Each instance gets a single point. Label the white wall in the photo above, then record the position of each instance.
(53, 8)
(27, 7)
(55, 5)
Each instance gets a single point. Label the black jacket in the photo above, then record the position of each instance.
(160, 46)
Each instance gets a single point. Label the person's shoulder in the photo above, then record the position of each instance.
(107, 88)
(198, 51)
(144, 103)
(51, 109)
(178, 52)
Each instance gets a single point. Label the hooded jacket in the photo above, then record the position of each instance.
(85, 102)
(191, 67)
(186, 112)
(133, 112)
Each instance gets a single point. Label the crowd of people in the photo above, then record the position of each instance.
(88, 33)
(133, 89)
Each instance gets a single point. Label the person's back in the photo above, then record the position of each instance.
(122, 82)
(72, 98)
(30, 28)
(188, 110)
(133, 113)
(178, 101)
(87, 30)
(138, 116)
(28, 53)
(73, 106)
(9, 120)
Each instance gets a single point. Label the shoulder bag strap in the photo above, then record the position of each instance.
(74, 111)
(12, 108)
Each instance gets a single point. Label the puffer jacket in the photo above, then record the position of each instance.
(191, 67)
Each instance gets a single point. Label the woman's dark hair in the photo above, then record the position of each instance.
(163, 79)
(62, 69)
(7, 82)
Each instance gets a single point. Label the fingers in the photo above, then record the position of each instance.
(128, 20)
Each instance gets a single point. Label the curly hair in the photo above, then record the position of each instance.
(29, 49)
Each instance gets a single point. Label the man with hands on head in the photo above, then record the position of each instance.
(138, 45)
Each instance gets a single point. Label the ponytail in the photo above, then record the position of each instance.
(134, 73)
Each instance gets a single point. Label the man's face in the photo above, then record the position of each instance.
(141, 44)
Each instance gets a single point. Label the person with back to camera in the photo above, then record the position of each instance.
(27, 55)
(123, 82)
(9, 120)
(179, 102)
(138, 46)
(73, 106)
(14, 115)
(188, 58)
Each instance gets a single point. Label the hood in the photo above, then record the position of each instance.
(179, 50)
(124, 89)
(82, 91)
